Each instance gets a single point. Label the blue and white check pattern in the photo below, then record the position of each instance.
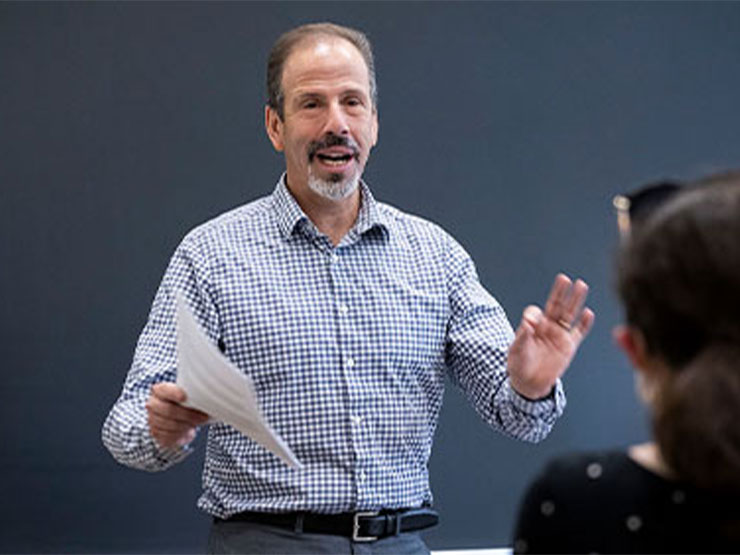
(348, 348)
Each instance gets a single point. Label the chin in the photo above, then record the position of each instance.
(335, 187)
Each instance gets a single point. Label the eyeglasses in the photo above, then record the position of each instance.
(634, 207)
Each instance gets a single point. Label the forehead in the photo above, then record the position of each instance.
(324, 61)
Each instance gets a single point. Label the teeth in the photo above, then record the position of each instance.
(335, 162)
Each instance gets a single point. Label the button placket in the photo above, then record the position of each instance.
(350, 365)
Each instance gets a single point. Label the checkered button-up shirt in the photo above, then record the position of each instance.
(348, 348)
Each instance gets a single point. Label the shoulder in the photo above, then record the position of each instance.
(411, 224)
(582, 473)
(247, 222)
(421, 234)
(565, 506)
(591, 465)
(605, 502)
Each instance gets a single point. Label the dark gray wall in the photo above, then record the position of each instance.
(123, 125)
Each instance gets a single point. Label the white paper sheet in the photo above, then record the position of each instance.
(215, 386)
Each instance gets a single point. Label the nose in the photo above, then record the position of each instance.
(336, 121)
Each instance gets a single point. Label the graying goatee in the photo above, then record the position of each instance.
(335, 189)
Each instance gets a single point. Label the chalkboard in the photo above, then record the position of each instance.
(125, 124)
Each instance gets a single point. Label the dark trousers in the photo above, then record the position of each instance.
(249, 538)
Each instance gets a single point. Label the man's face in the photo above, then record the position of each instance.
(329, 123)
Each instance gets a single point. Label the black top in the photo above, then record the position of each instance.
(606, 503)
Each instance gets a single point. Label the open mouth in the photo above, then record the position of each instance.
(333, 152)
(334, 159)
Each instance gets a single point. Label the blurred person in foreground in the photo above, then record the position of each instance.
(678, 272)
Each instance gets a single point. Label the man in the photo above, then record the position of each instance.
(347, 314)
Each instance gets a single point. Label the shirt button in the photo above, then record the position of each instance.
(356, 419)
(350, 362)
(343, 309)
(362, 476)
(334, 258)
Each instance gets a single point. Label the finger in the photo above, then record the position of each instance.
(168, 432)
(532, 314)
(178, 416)
(171, 393)
(167, 425)
(526, 328)
(575, 301)
(164, 428)
(173, 411)
(557, 298)
(585, 323)
(168, 391)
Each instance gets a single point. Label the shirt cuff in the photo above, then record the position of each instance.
(166, 456)
(552, 404)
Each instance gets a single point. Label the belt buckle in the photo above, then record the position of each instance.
(356, 527)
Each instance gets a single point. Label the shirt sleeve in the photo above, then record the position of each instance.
(478, 340)
(126, 431)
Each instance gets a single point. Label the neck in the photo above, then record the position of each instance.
(648, 456)
(333, 218)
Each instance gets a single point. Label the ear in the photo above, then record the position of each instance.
(633, 343)
(274, 128)
(374, 128)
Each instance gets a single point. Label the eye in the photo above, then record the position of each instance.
(353, 101)
(310, 105)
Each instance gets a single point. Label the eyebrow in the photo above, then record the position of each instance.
(356, 92)
(307, 96)
(348, 92)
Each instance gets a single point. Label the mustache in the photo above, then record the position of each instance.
(329, 141)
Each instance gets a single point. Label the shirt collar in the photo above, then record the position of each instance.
(290, 216)
(288, 213)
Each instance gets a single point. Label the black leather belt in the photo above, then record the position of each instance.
(363, 526)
